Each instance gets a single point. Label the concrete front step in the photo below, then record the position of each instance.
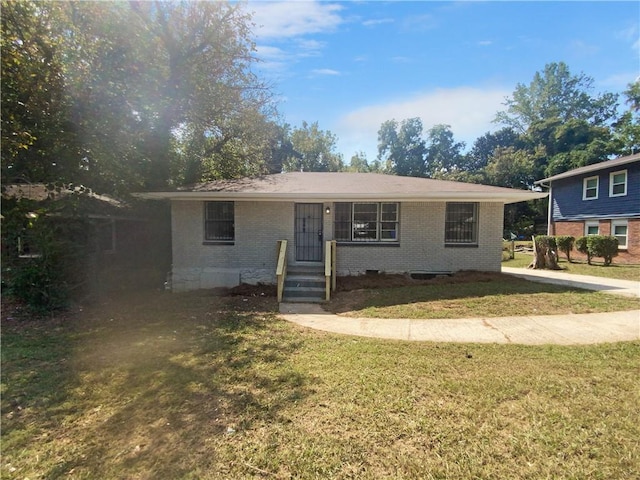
(304, 284)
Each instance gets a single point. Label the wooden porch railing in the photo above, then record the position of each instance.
(330, 268)
(281, 269)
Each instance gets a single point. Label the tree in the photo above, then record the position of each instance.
(37, 143)
(103, 93)
(509, 167)
(556, 93)
(485, 146)
(401, 148)
(358, 163)
(564, 145)
(314, 150)
(626, 130)
(202, 76)
(444, 154)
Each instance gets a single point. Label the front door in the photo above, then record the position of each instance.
(308, 227)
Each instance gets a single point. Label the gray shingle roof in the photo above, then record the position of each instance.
(344, 186)
(616, 162)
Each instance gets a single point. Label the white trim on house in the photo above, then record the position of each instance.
(586, 188)
(589, 224)
(621, 223)
(612, 183)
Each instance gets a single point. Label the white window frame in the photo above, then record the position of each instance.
(612, 184)
(591, 224)
(620, 223)
(585, 188)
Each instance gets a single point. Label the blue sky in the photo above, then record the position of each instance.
(351, 65)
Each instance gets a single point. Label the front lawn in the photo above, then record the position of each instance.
(193, 386)
(620, 272)
(474, 294)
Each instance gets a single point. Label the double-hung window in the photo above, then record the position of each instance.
(618, 183)
(461, 223)
(590, 188)
(619, 230)
(366, 222)
(219, 222)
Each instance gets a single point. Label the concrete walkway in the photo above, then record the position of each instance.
(627, 288)
(574, 329)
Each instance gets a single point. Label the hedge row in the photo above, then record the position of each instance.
(604, 246)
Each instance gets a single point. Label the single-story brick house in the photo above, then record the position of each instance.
(599, 199)
(227, 232)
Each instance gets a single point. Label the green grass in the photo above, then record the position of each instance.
(191, 386)
(497, 296)
(620, 272)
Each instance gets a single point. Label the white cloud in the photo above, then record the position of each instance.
(291, 19)
(618, 81)
(581, 48)
(419, 23)
(378, 21)
(468, 110)
(325, 71)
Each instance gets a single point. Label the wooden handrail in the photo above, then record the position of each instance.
(281, 268)
(330, 268)
(334, 255)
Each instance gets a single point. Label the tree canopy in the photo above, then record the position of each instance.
(116, 95)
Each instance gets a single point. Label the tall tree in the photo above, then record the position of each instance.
(202, 78)
(103, 93)
(626, 130)
(485, 146)
(37, 143)
(359, 163)
(314, 150)
(509, 167)
(444, 154)
(556, 93)
(401, 148)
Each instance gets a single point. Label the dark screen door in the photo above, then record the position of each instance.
(308, 228)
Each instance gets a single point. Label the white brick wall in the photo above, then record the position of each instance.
(422, 244)
(259, 225)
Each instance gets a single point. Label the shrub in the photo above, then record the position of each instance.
(604, 246)
(565, 245)
(581, 246)
(43, 255)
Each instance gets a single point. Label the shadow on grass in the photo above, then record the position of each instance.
(145, 385)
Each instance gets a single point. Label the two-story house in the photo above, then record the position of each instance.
(599, 199)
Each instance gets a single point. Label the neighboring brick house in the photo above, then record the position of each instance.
(226, 232)
(599, 199)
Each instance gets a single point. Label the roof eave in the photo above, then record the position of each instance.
(502, 197)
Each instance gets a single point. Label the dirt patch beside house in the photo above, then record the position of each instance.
(368, 282)
(364, 282)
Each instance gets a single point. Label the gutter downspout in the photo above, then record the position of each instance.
(549, 209)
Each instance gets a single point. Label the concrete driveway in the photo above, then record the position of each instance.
(574, 329)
